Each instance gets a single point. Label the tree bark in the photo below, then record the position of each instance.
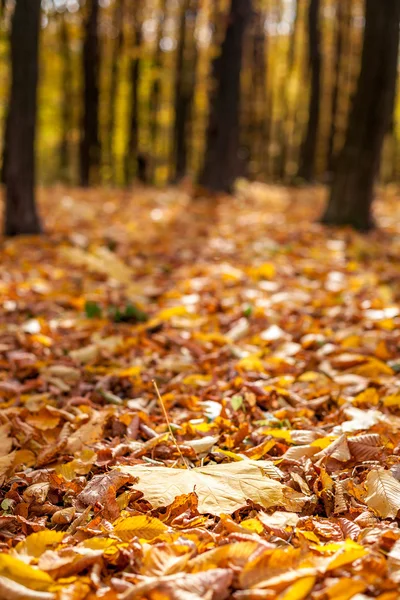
(90, 149)
(155, 92)
(66, 109)
(221, 162)
(131, 158)
(185, 81)
(21, 216)
(358, 163)
(309, 146)
(112, 102)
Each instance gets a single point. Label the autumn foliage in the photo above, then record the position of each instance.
(274, 343)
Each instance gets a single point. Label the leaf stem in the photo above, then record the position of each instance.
(169, 424)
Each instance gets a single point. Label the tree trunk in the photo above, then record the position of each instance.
(112, 103)
(309, 146)
(221, 161)
(66, 109)
(335, 93)
(90, 150)
(358, 163)
(155, 92)
(20, 215)
(131, 158)
(185, 81)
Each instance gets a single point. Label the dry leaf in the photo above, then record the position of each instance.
(383, 493)
(220, 488)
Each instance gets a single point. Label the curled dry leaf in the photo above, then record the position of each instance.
(102, 489)
(209, 585)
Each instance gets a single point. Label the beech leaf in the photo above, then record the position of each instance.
(220, 488)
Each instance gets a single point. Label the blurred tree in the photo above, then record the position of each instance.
(358, 163)
(155, 92)
(221, 161)
(309, 146)
(66, 108)
(185, 81)
(21, 216)
(118, 32)
(90, 149)
(132, 152)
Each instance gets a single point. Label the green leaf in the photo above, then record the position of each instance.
(7, 504)
(92, 310)
(248, 311)
(237, 402)
(128, 314)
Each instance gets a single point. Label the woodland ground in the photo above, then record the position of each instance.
(275, 345)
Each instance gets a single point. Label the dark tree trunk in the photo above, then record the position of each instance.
(66, 109)
(185, 81)
(5, 146)
(221, 163)
(309, 146)
(336, 84)
(90, 150)
(20, 215)
(112, 103)
(358, 163)
(132, 154)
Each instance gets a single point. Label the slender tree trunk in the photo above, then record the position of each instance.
(131, 158)
(221, 156)
(185, 81)
(336, 84)
(21, 216)
(155, 92)
(112, 102)
(90, 149)
(358, 163)
(66, 109)
(286, 137)
(309, 146)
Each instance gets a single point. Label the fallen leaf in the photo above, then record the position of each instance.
(220, 488)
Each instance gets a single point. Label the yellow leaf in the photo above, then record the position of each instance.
(250, 363)
(300, 589)
(252, 525)
(345, 589)
(369, 396)
(174, 311)
(141, 526)
(130, 371)
(236, 554)
(197, 379)
(323, 442)
(264, 271)
(281, 434)
(99, 543)
(31, 577)
(346, 556)
(35, 544)
(392, 400)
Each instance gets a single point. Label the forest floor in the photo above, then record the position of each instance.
(270, 468)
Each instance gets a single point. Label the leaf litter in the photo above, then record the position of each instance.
(271, 469)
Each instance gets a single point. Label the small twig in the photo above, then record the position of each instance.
(169, 424)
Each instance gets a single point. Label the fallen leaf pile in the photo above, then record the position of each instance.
(275, 345)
